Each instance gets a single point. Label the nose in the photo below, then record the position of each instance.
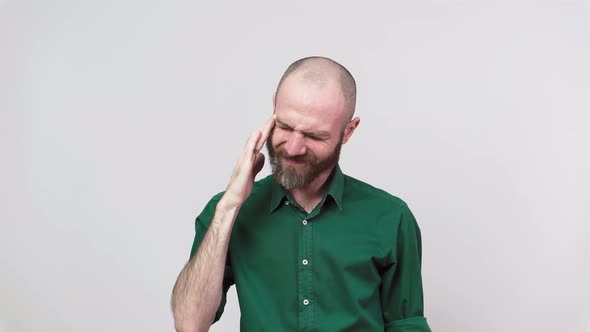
(295, 145)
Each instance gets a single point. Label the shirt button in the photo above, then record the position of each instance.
(286, 202)
(305, 302)
(304, 222)
(305, 262)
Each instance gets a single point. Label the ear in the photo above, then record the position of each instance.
(350, 128)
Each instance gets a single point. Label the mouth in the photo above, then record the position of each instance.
(293, 162)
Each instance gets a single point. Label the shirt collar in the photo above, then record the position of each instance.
(335, 190)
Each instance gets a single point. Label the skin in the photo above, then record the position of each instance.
(198, 289)
(308, 119)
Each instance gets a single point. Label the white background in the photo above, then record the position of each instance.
(120, 119)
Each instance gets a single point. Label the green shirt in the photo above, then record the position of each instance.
(352, 264)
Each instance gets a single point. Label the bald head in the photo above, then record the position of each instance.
(319, 71)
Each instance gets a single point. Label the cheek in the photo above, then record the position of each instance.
(321, 149)
(278, 137)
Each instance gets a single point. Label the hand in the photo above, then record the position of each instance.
(249, 164)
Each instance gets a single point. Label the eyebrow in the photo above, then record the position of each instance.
(318, 134)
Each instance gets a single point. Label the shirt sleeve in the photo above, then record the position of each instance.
(201, 225)
(401, 292)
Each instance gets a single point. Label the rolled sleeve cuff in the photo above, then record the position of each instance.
(412, 324)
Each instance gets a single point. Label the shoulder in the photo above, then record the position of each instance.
(390, 215)
(262, 187)
(386, 211)
(259, 199)
(359, 192)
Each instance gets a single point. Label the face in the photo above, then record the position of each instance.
(308, 133)
(297, 171)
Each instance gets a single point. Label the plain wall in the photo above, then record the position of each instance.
(120, 119)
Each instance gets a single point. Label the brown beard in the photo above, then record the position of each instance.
(296, 177)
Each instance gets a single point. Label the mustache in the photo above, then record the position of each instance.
(307, 157)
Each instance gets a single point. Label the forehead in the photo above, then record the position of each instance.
(305, 105)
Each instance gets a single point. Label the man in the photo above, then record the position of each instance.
(308, 248)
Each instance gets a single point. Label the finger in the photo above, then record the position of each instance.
(252, 142)
(252, 137)
(265, 132)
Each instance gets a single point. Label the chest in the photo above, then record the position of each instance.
(327, 243)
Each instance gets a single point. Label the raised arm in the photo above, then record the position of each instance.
(198, 289)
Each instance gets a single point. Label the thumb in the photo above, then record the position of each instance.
(258, 163)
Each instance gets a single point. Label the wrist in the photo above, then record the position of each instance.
(226, 204)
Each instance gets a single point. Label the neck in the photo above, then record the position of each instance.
(309, 196)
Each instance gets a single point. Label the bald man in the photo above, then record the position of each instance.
(308, 247)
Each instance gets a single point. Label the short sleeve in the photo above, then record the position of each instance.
(201, 225)
(401, 292)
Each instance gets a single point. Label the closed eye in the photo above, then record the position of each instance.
(311, 135)
(315, 138)
(284, 127)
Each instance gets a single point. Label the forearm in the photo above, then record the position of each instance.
(198, 290)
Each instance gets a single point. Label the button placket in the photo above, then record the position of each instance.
(305, 276)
